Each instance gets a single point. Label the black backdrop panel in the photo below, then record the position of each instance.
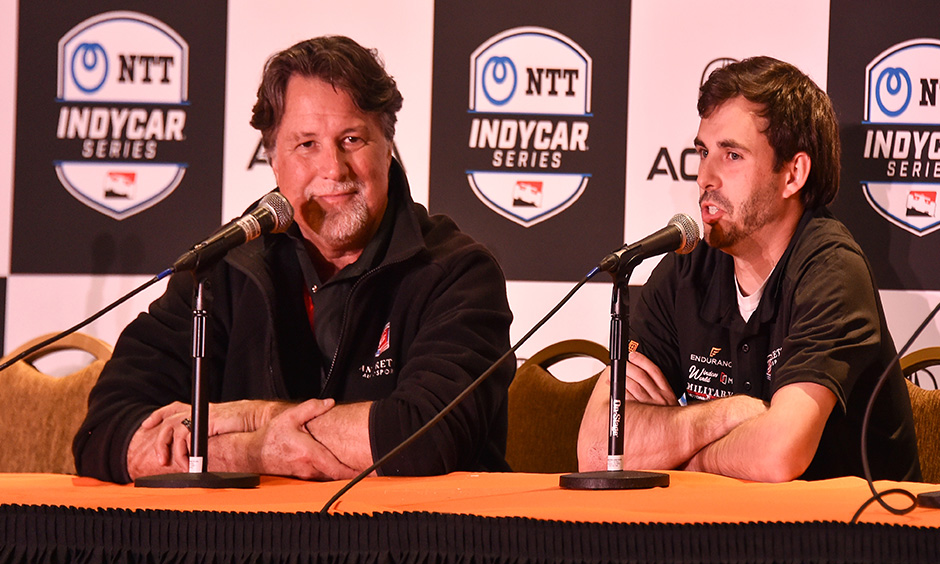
(119, 131)
(890, 134)
(528, 132)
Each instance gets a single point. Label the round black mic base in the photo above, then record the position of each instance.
(215, 480)
(929, 499)
(614, 480)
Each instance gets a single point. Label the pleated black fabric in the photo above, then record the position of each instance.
(65, 534)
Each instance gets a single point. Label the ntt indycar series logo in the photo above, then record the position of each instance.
(902, 135)
(530, 106)
(122, 89)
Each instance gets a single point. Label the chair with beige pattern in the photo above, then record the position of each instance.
(545, 413)
(40, 413)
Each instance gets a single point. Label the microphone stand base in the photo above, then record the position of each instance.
(928, 499)
(215, 480)
(613, 480)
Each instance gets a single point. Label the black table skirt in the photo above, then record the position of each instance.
(66, 534)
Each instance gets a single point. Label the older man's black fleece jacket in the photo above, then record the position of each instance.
(441, 295)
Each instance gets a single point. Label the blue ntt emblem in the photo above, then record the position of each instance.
(530, 107)
(122, 89)
(902, 135)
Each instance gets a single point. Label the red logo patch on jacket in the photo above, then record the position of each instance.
(383, 341)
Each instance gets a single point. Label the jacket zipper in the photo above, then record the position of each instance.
(342, 334)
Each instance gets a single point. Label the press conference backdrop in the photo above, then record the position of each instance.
(551, 132)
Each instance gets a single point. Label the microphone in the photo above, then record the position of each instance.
(680, 235)
(273, 214)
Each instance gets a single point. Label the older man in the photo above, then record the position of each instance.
(331, 343)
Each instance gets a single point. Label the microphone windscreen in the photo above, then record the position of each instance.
(689, 230)
(278, 205)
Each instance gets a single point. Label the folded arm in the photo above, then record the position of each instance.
(258, 436)
(737, 436)
(658, 433)
(777, 445)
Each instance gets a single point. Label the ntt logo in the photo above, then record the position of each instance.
(901, 84)
(894, 89)
(530, 70)
(499, 80)
(123, 57)
(89, 67)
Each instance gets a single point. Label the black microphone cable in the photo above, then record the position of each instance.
(866, 468)
(456, 401)
(88, 320)
(273, 208)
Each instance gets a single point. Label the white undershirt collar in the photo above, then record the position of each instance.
(747, 305)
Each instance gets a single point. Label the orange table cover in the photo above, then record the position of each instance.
(690, 498)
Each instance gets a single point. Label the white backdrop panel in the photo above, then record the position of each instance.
(672, 44)
(40, 304)
(401, 31)
(905, 311)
